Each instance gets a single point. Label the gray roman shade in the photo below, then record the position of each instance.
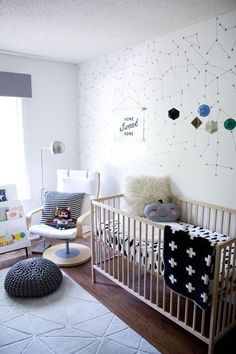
(15, 85)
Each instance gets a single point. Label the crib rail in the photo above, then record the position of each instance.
(209, 216)
(121, 245)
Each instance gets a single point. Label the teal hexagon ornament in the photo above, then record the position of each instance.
(230, 124)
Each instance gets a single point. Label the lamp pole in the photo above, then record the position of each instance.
(42, 173)
(56, 147)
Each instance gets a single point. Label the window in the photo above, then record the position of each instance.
(12, 147)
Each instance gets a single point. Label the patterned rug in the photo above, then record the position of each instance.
(67, 321)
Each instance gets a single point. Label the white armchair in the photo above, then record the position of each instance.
(69, 181)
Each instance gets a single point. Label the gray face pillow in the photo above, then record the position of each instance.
(162, 212)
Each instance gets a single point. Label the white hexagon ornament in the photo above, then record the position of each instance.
(211, 127)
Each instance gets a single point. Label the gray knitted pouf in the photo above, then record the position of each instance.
(32, 278)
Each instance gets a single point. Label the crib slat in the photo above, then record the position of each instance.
(134, 255)
(203, 215)
(104, 239)
(215, 218)
(123, 240)
(171, 302)
(158, 266)
(93, 240)
(146, 262)
(221, 293)
(185, 211)
(194, 316)
(109, 242)
(152, 264)
(113, 244)
(118, 246)
(178, 306)
(186, 311)
(164, 297)
(232, 300)
(100, 237)
(139, 257)
(209, 218)
(226, 290)
(229, 225)
(197, 210)
(203, 322)
(97, 230)
(222, 222)
(128, 255)
(191, 213)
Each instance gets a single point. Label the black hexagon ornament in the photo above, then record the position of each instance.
(173, 113)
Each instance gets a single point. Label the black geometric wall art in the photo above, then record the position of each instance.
(173, 113)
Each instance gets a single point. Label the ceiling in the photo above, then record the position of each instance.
(77, 30)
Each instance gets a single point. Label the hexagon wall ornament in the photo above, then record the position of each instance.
(230, 124)
(173, 113)
(204, 110)
(196, 122)
(211, 127)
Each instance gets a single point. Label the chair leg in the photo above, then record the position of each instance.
(67, 247)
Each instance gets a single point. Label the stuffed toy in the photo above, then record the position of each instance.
(62, 219)
(162, 212)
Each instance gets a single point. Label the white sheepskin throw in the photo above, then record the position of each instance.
(142, 190)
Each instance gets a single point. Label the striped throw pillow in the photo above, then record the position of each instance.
(53, 200)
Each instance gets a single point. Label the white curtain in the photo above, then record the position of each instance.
(12, 147)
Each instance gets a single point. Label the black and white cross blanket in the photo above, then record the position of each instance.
(188, 264)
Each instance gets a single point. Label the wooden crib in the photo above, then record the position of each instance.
(147, 283)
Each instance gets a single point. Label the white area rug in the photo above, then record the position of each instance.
(68, 321)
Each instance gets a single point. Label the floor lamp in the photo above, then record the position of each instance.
(56, 147)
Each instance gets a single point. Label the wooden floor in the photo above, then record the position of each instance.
(162, 333)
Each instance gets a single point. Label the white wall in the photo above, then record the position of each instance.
(183, 70)
(50, 115)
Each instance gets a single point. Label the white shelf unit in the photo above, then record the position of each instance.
(13, 226)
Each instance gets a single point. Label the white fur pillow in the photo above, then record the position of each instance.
(142, 190)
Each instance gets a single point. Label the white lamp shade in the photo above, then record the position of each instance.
(57, 147)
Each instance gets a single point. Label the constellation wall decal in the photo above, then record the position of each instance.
(183, 71)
